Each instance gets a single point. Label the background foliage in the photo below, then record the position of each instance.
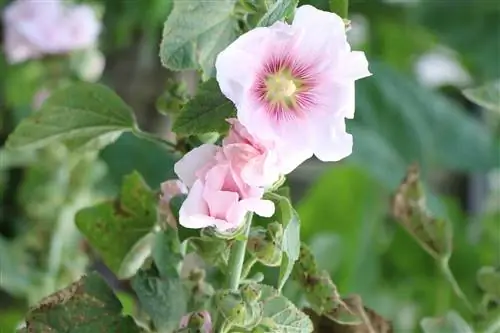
(343, 207)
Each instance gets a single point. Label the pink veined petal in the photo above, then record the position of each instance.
(194, 213)
(354, 66)
(216, 176)
(234, 78)
(323, 32)
(193, 161)
(260, 207)
(333, 143)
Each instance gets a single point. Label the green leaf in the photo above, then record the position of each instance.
(113, 228)
(206, 112)
(410, 209)
(339, 7)
(86, 306)
(213, 250)
(195, 32)
(166, 252)
(278, 11)
(136, 257)
(163, 298)
(81, 115)
(486, 96)
(281, 315)
(450, 323)
(488, 279)
(288, 217)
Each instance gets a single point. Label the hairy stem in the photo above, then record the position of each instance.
(237, 257)
(445, 269)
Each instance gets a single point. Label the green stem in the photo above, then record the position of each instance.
(339, 7)
(153, 138)
(445, 269)
(237, 257)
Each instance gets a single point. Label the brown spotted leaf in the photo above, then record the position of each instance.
(410, 209)
(114, 227)
(320, 291)
(86, 306)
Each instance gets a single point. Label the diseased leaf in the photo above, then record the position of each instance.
(486, 96)
(195, 32)
(450, 323)
(280, 315)
(206, 112)
(321, 292)
(288, 217)
(86, 306)
(488, 279)
(113, 228)
(278, 11)
(163, 298)
(213, 250)
(410, 209)
(81, 115)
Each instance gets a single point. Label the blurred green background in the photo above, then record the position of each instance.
(422, 54)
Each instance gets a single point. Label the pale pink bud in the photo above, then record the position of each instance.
(201, 320)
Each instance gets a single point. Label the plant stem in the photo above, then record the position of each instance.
(443, 264)
(153, 138)
(237, 257)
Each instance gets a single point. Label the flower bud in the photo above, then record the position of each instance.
(197, 321)
(265, 245)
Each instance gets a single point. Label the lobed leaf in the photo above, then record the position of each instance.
(82, 115)
(163, 298)
(86, 306)
(195, 32)
(114, 227)
(206, 112)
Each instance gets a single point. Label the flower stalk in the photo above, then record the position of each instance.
(237, 256)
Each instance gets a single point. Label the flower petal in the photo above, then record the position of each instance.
(260, 207)
(193, 161)
(194, 212)
(332, 142)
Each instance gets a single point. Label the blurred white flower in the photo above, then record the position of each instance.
(89, 65)
(35, 28)
(441, 67)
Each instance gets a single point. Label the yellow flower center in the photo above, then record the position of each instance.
(281, 88)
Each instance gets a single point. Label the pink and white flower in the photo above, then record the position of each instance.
(35, 28)
(218, 195)
(294, 84)
(200, 319)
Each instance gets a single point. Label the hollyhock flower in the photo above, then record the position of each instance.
(218, 196)
(170, 189)
(201, 320)
(294, 84)
(35, 28)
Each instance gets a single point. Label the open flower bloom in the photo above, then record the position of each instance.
(35, 28)
(200, 320)
(294, 84)
(217, 196)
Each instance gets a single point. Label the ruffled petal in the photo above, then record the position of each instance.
(332, 142)
(193, 161)
(194, 213)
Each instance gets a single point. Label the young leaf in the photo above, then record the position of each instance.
(195, 32)
(206, 112)
(410, 209)
(114, 227)
(163, 298)
(81, 115)
(86, 306)
(486, 96)
(278, 11)
(321, 292)
(488, 279)
(450, 323)
(288, 217)
(281, 315)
